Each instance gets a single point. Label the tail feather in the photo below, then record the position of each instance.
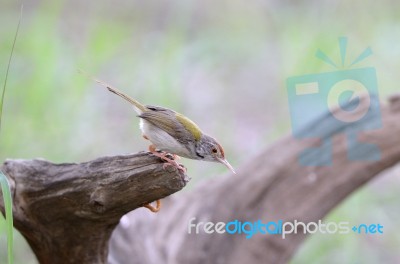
(139, 108)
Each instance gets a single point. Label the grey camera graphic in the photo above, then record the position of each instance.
(314, 94)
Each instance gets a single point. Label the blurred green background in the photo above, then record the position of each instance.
(222, 63)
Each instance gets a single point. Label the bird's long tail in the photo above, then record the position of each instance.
(139, 108)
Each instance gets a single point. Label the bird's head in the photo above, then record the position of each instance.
(208, 149)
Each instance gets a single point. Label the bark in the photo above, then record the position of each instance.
(68, 211)
(269, 187)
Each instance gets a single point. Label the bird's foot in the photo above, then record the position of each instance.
(175, 165)
(169, 161)
(152, 208)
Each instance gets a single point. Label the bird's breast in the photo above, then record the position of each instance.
(162, 140)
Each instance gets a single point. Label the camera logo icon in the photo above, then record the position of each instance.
(321, 104)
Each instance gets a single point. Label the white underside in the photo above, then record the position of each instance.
(162, 140)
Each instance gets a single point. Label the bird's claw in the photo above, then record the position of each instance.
(170, 160)
(152, 208)
(175, 164)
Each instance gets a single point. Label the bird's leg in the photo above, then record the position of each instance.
(154, 209)
(170, 162)
(151, 148)
(163, 156)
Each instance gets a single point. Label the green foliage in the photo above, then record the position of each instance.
(5, 186)
(5, 189)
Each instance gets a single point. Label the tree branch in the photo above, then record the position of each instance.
(68, 211)
(270, 187)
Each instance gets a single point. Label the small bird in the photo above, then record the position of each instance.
(173, 133)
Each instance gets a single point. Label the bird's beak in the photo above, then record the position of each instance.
(226, 163)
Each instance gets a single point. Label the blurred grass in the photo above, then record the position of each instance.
(8, 209)
(222, 63)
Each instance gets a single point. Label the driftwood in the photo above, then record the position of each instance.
(68, 211)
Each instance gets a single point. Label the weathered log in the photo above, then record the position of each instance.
(67, 212)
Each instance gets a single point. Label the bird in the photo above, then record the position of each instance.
(172, 133)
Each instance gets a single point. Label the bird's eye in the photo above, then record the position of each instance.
(214, 150)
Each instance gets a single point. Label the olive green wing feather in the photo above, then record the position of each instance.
(162, 118)
(189, 125)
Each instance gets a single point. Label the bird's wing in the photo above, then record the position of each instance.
(161, 118)
(189, 125)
